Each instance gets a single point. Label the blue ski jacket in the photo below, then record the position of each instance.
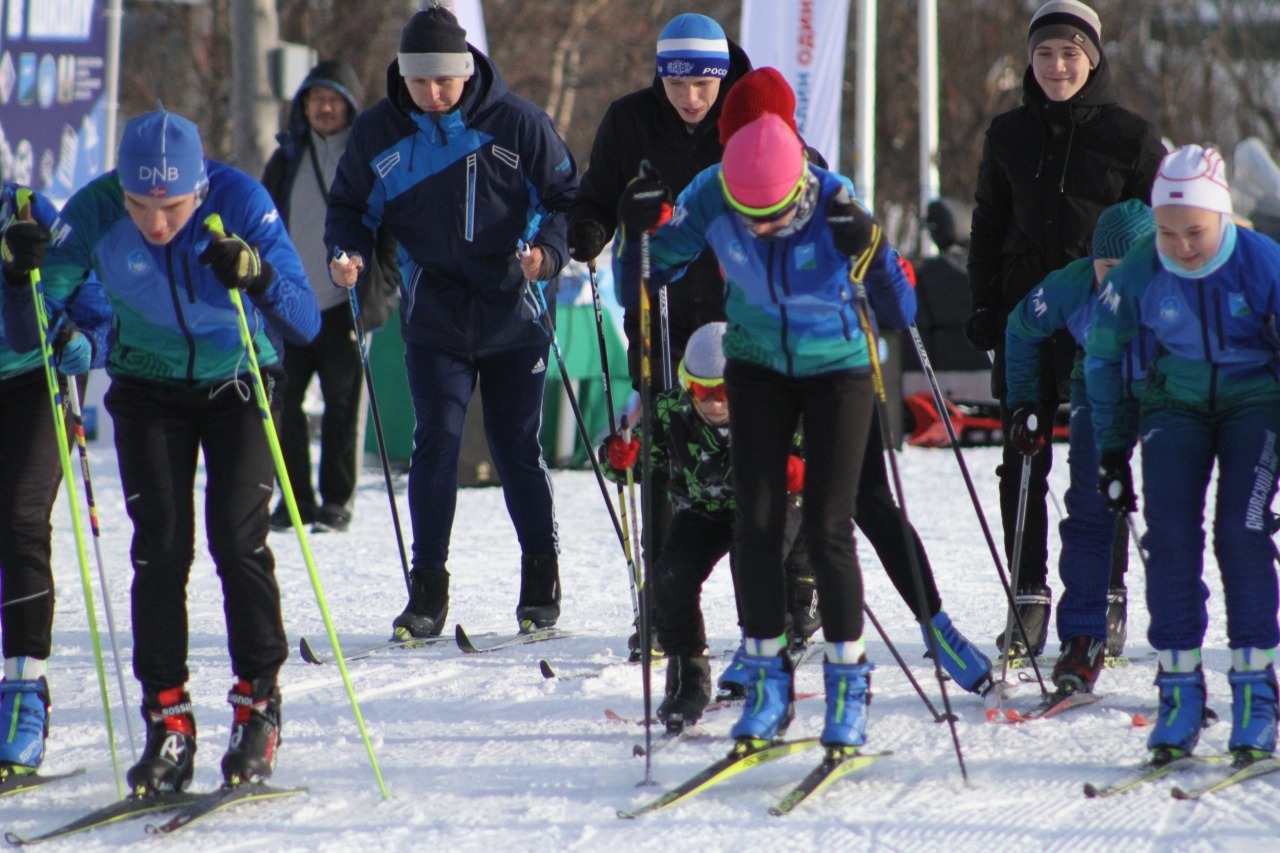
(88, 309)
(459, 190)
(173, 321)
(790, 304)
(1216, 336)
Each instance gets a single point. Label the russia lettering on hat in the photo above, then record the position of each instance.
(693, 46)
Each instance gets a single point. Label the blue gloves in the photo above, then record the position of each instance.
(72, 352)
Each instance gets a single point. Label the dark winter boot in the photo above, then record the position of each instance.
(539, 605)
(1117, 619)
(688, 691)
(1253, 704)
(428, 605)
(803, 617)
(255, 731)
(24, 724)
(169, 757)
(1181, 714)
(1079, 665)
(1033, 607)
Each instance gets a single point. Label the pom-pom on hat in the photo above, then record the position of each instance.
(704, 353)
(1194, 177)
(693, 46)
(1120, 226)
(1070, 20)
(161, 156)
(434, 44)
(757, 92)
(763, 168)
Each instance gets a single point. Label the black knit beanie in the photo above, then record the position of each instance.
(433, 44)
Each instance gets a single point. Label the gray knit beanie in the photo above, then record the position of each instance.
(704, 353)
(1070, 20)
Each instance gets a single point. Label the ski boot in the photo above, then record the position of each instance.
(1117, 617)
(1253, 704)
(169, 756)
(428, 605)
(848, 693)
(803, 618)
(539, 605)
(770, 705)
(688, 691)
(255, 731)
(1181, 714)
(24, 710)
(1078, 665)
(1033, 607)
(967, 666)
(733, 681)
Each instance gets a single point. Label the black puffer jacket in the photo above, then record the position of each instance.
(645, 126)
(1048, 171)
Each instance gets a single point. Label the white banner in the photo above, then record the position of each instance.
(805, 40)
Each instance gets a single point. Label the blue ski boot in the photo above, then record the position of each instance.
(848, 692)
(24, 723)
(967, 666)
(733, 681)
(1181, 713)
(770, 704)
(1253, 703)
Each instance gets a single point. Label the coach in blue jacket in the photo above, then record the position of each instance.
(461, 169)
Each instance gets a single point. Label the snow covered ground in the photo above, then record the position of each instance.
(480, 752)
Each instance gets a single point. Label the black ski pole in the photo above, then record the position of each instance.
(906, 670)
(646, 497)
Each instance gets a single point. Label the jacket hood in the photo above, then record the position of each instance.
(484, 88)
(334, 74)
(739, 64)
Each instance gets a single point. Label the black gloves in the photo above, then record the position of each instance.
(984, 329)
(645, 203)
(586, 239)
(853, 230)
(1025, 433)
(1115, 481)
(237, 265)
(22, 250)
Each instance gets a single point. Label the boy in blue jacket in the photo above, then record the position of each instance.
(1068, 299)
(180, 387)
(1207, 291)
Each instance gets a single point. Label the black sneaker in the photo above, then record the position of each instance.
(539, 605)
(1079, 664)
(280, 518)
(688, 691)
(169, 756)
(428, 604)
(332, 518)
(1117, 618)
(255, 731)
(1033, 607)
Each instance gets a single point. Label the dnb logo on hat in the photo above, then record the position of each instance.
(161, 156)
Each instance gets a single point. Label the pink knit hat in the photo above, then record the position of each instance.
(763, 168)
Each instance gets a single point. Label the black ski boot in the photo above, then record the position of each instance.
(688, 691)
(1117, 619)
(1079, 665)
(1033, 607)
(803, 617)
(428, 605)
(169, 757)
(255, 731)
(539, 605)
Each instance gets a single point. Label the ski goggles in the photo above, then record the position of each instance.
(772, 213)
(703, 390)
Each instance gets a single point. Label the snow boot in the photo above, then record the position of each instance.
(733, 681)
(803, 618)
(24, 723)
(1253, 703)
(1117, 617)
(967, 666)
(539, 605)
(1180, 716)
(428, 605)
(770, 700)
(688, 691)
(1033, 607)
(255, 731)
(1079, 665)
(169, 756)
(848, 692)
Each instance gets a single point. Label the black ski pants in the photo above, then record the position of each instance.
(160, 431)
(766, 409)
(334, 356)
(30, 473)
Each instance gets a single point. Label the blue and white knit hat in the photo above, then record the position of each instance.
(693, 46)
(161, 156)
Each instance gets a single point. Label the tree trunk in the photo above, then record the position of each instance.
(254, 112)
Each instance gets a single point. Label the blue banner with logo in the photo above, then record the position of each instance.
(52, 77)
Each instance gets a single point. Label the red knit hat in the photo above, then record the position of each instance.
(763, 168)
(757, 92)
